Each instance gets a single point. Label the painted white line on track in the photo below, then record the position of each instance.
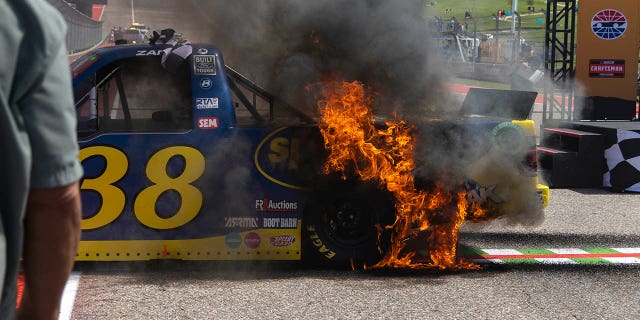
(69, 296)
(502, 252)
(568, 251)
(627, 260)
(627, 250)
(556, 261)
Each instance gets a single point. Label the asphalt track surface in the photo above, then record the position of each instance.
(575, 218)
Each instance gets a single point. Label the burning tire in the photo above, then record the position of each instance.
(342, 223)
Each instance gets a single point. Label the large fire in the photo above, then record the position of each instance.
(386, 156)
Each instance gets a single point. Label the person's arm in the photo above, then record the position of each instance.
(52, 233)
(53, 215)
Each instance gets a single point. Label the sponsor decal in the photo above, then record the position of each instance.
(241, 222)
(208, 123)
(206, 103)
(280, 223)
(608, 24)
(233, 240)
(266, 205)
(599, 68)
(252, 240)
(318, 244)
(482, 194)
(284, 240)
(149, 52)
(279, 157)
(204, 64)
(206, 83)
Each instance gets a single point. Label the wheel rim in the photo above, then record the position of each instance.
(347, 221)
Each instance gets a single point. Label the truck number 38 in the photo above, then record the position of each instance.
(113, 197)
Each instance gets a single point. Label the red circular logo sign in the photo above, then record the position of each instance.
(252, 240)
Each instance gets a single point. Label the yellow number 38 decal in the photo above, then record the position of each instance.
(113, 198)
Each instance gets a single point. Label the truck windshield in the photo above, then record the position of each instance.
(135, 94)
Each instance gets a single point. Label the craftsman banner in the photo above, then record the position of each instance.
(607, 58)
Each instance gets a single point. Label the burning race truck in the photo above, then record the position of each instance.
(196, 162)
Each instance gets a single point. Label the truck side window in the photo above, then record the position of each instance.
(136, 95)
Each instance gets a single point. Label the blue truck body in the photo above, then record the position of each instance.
(205, 186)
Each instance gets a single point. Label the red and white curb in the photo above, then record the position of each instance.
(591, 256)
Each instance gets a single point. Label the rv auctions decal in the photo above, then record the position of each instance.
(267, 205)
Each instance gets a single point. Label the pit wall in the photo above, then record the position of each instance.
(82, 31)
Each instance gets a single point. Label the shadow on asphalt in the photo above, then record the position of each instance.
(176, 271)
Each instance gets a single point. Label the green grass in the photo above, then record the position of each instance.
(483, 10)
(479, 8)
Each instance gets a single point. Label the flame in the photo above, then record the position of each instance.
(386, 156)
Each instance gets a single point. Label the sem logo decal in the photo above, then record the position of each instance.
(608, 24)
(208, 123)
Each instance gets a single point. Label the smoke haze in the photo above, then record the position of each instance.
(286, 45)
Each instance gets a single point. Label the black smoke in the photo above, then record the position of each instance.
(287, 45)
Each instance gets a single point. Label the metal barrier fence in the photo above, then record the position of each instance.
(490, 39)
(83, 32)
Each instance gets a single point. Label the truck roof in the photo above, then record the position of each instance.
(86, 65)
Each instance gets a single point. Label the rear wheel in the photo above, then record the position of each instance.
(343, 222)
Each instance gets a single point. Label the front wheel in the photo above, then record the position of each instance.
(344, 224)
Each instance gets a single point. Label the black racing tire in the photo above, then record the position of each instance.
(341, 224)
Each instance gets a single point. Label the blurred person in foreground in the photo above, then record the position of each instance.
(40, 207)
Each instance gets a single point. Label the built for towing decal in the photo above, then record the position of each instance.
(204, 65)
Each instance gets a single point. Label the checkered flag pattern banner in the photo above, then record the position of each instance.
(623, 162)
